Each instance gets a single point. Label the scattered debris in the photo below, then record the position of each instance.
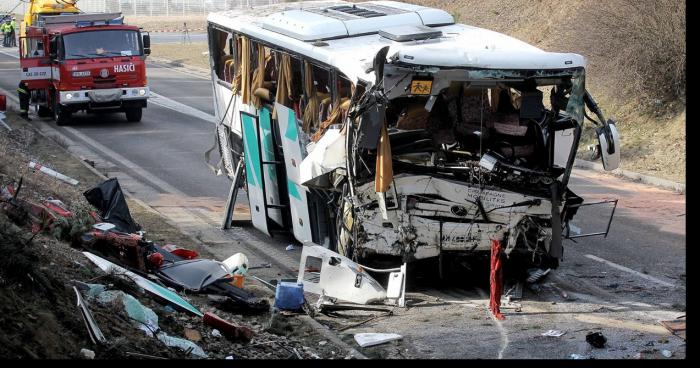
(666, 353)
(236, 264)
(371, 338)
(289, 296)
(147, 285)
(143, 318)
(87, 354)
(676, 327)
(93, 329)
(193, 335)
(596, 339)
(215, 333)
(341, 278)
(290, 247)
(110, 202)
(52, 173)
(181, 252)
(515, 292)
(227, 328)
(554, 333)
(193, 275)
(535, 274)
(577, 356)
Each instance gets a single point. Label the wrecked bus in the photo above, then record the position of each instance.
(384, 130)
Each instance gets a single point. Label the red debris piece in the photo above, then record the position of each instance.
(496, 280)
(181, 252)
(156, 259)
(57, 209)
(227, 328)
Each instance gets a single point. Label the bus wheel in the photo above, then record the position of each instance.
(133, 114)
(44, 112)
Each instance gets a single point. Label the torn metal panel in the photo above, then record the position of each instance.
(341, 278)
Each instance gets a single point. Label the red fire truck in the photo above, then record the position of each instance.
(85, 62)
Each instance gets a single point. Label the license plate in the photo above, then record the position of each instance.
(421, 87)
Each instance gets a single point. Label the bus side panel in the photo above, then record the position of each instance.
(268, 154)
(253, 171)
(298, 203)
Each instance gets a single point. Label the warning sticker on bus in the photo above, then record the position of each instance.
(421, 87)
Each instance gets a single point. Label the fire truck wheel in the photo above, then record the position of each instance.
(61, 116)
(44, 112)
(133, 115)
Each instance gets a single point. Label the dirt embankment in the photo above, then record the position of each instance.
(38, 314)
(636, 54)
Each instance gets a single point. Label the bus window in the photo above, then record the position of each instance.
(264, 76)
(222, 54)
(318, 96)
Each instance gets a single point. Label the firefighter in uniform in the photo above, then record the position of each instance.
(24, 96)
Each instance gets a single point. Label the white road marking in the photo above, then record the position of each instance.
(14, 55)
(629, 270)
(171, 104)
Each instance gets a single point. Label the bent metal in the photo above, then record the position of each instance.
(387, 129)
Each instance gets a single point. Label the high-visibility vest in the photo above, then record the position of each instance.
(13, 25)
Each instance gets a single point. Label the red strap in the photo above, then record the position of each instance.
(496, 280)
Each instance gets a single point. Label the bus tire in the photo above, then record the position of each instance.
(134, 114)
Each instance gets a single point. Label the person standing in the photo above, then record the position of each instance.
(5, 29)
(13, 32)
(24, 97)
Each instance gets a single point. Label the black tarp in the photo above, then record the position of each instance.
(109, 201)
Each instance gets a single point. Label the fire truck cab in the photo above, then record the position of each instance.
(85, 62)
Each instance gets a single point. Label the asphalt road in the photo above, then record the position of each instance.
(646, 246)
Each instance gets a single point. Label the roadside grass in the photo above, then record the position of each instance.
(171, 22)
(179, 54)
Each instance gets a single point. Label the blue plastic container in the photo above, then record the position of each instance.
(289, 296)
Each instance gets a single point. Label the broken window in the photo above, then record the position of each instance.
(222, 54)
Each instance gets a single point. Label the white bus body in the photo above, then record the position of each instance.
(386, 129)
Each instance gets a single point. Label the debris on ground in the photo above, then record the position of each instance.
(676, 326)
(54, 302)
(52, 173)
(87, 354)
(536, 274)
(554, 333)
(596, 339)
(371, 338)
(666, 353)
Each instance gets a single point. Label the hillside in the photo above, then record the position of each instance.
(636, 54)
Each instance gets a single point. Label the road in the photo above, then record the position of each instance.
(621, 285)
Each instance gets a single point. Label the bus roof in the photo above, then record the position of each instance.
(352, 34)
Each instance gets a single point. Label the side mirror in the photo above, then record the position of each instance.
(609, 140)
(53, 49)
(146, 51)
(379, 61)
(147, 41)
